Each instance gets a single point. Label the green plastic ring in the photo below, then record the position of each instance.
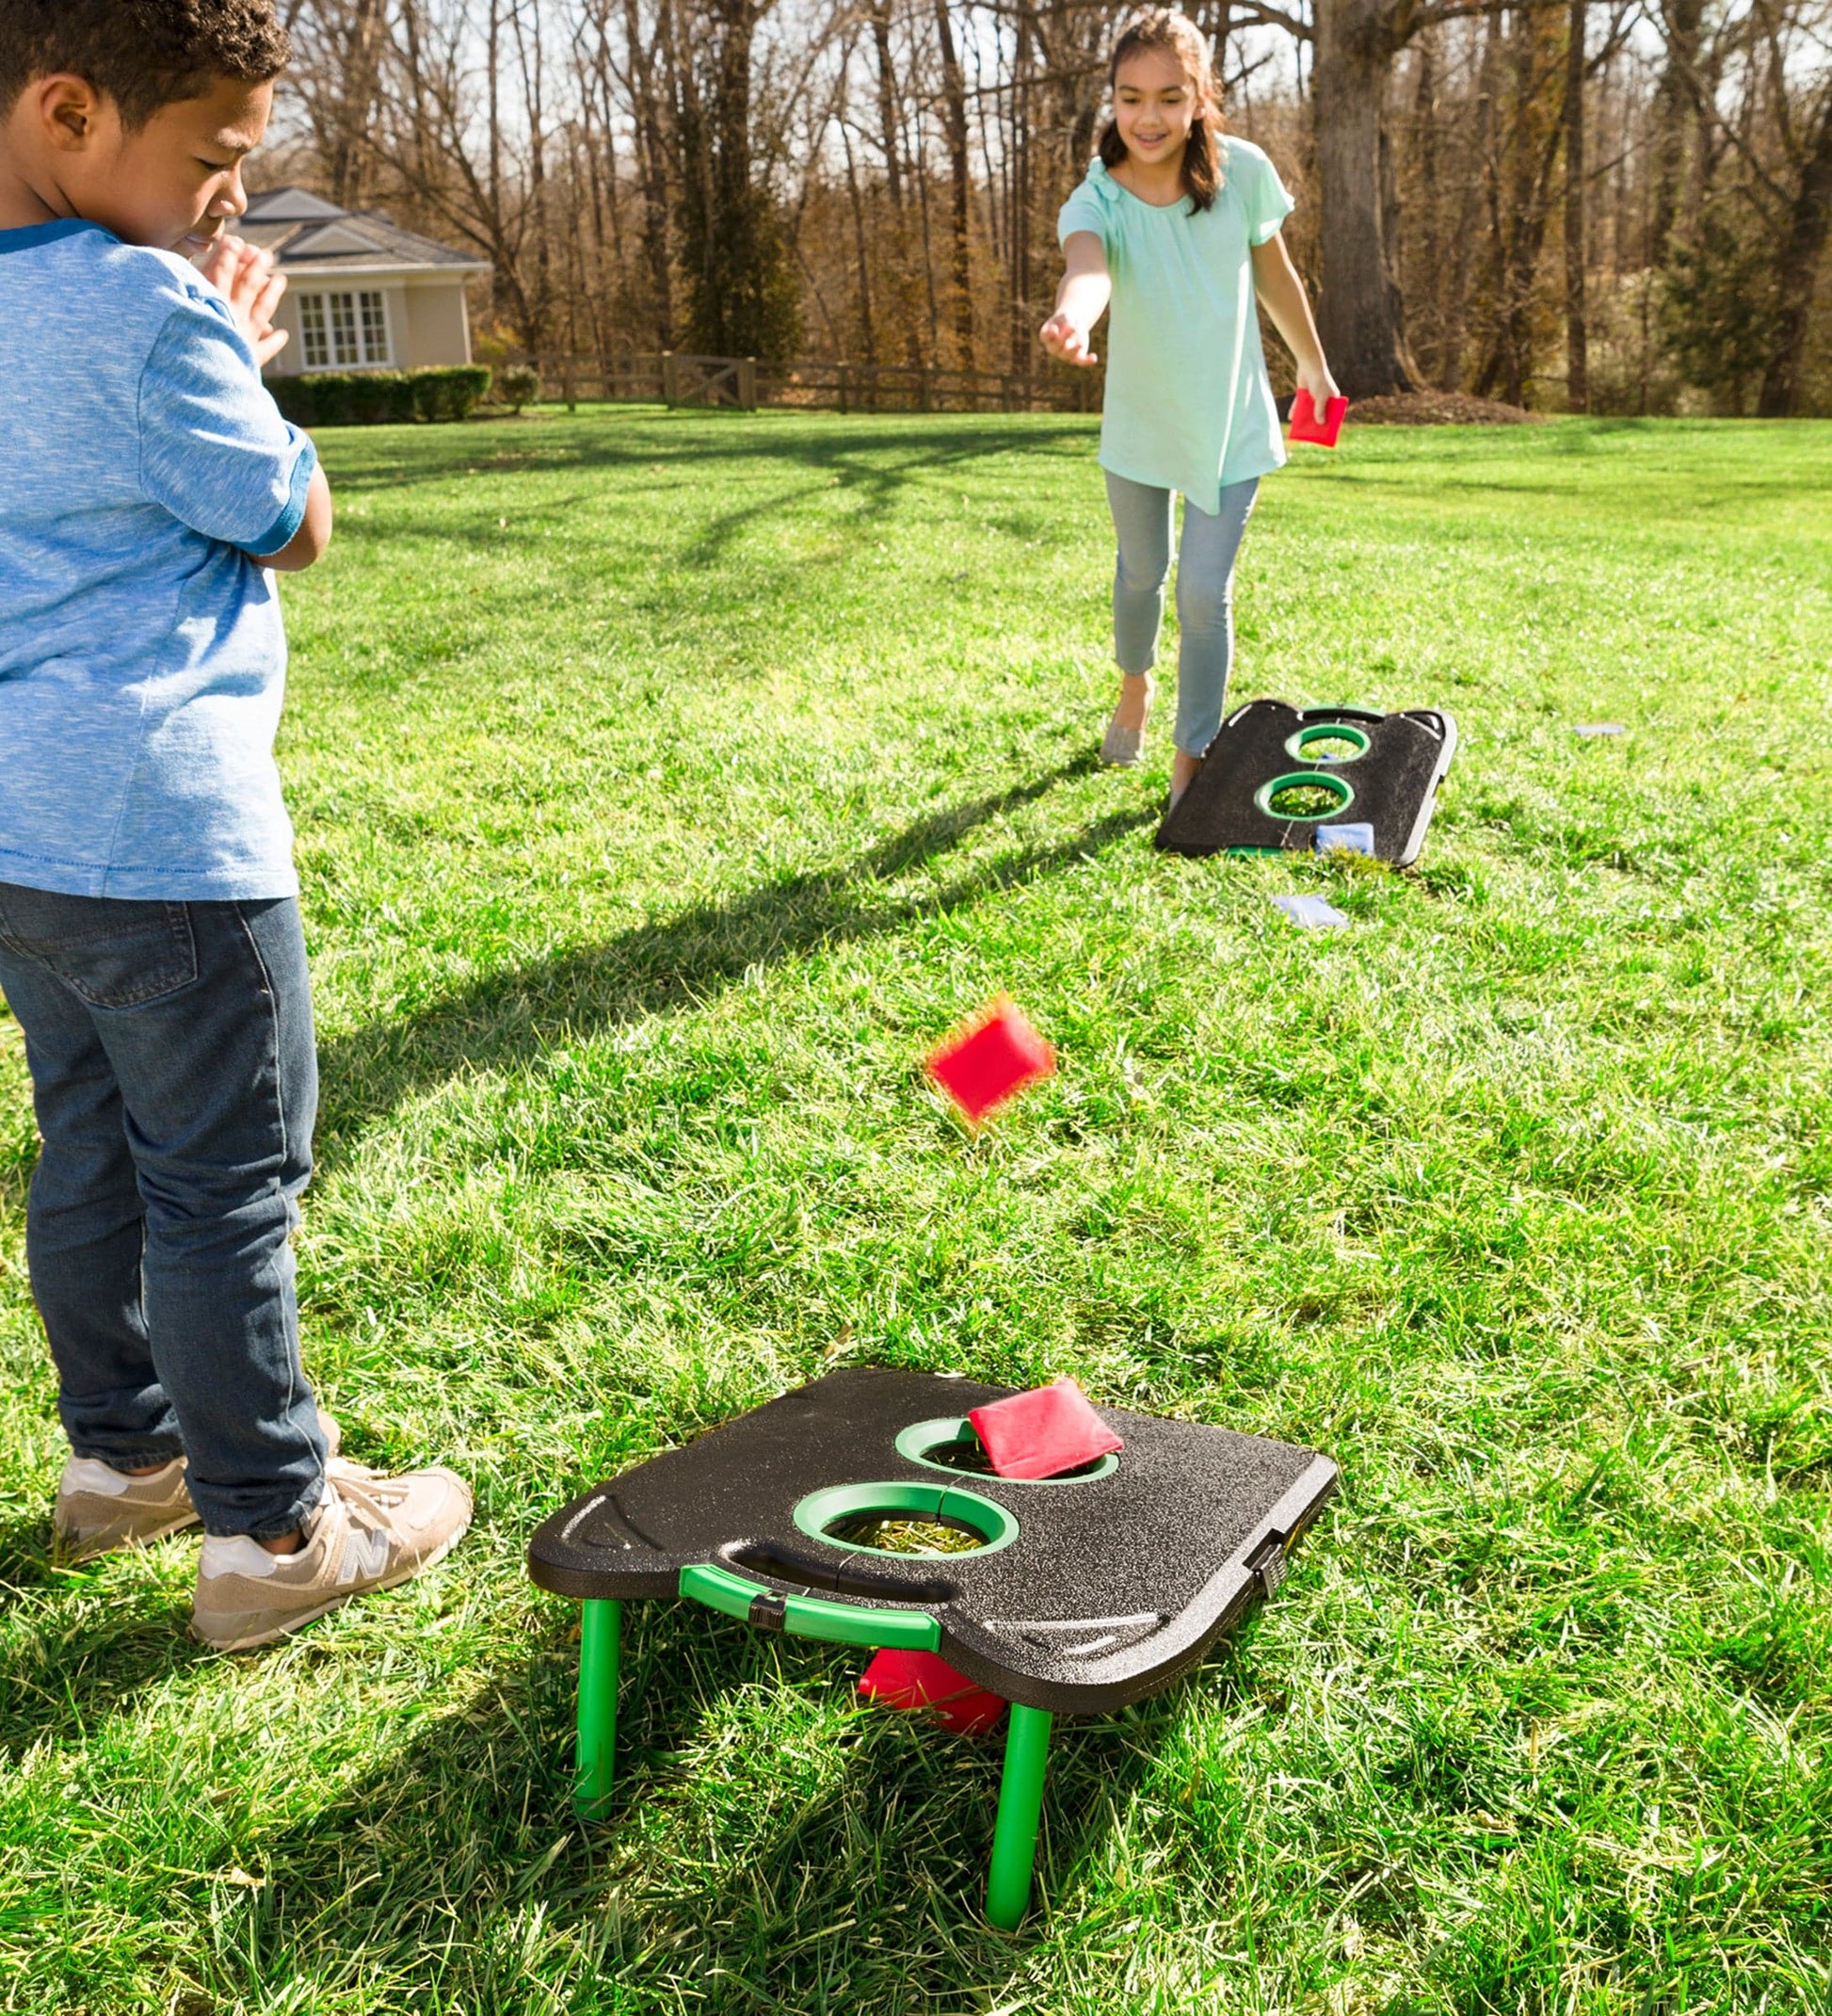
(1339, 786)
(820, 1510)
(924, 1435)
(1299, 745)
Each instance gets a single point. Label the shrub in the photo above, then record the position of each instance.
(516, 384)
(1717, 313)
(450, 391)
(366, 398)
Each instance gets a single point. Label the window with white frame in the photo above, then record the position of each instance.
(344, 329)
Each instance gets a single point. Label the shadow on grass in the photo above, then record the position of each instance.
(72, 1652)
(872, 469)
(796, 1858)
(664, 442)
(510, 1018)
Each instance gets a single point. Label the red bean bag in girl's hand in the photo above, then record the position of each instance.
(1043, 1432)
(997, 1055)
(1307, 426)
(924, 1680)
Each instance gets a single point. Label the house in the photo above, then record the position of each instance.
(361, 293)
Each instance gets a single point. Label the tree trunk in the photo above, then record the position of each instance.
(906, 308)
(1796, 272)
(1359, 313)
(1424, 140)
(1018, 223)
(868, 334)
(1577, 340)
(953, 93)
(345, 170)
(1521, 195)
(886, 103)
(1673, 106)
(742, 301)
(651, 167)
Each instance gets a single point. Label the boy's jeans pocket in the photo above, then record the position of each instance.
(112, 952)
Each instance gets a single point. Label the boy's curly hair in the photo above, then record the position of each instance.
(142, 54)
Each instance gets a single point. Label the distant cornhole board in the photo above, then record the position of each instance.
(1061, 1595)
(1278, 778)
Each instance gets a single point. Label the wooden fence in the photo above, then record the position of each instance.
(678, 379)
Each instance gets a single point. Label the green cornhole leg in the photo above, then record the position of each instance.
(600, 1628)
(1021, 1807)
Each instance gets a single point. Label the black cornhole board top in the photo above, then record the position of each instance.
(1394, 780)
(1113, 1586)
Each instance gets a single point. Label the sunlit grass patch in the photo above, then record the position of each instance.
(666, 787)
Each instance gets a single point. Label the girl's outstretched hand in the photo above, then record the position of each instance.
(1065, 338)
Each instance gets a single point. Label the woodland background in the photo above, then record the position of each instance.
(1615, 206)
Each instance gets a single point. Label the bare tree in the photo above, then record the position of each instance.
(1503, 196)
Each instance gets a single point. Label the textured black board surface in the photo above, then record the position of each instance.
(1113, 1586)
(1395, 781)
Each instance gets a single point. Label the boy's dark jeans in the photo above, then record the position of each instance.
(176, 1082)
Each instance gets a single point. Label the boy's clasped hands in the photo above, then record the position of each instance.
(246, 278)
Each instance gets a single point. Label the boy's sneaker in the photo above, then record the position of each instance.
(100, 1508)
(368, 1532)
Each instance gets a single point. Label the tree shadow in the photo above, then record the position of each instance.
(661, 441)
(511, 1017)
(874, 470)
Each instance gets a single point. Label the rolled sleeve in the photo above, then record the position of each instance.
(214, 451)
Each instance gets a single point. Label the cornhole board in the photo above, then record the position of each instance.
(1082, 1593)
(1377, 769)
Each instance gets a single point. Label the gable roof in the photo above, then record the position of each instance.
(306, 233)
(289, 206)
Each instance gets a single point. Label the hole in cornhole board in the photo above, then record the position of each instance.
(951, 1443)
(1304, 794)
(1249, 799)
(1328, 742)
(906, 1519)
(898, 1535)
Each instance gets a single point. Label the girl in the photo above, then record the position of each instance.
(1178, 228)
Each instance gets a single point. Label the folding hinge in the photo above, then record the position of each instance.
(769, 1611)
(1268, 1563)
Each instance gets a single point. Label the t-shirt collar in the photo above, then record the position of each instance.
(27, 235)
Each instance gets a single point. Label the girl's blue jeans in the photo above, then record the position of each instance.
(1205, 594)
(175, 1081)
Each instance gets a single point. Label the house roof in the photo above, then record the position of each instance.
(305, 233)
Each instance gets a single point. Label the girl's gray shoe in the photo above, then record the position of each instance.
(1122, 747)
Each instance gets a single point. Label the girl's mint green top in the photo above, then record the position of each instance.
(1188, 403)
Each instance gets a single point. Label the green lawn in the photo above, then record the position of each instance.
(664, 786)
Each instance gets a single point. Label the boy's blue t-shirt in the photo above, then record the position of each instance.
(142, 659)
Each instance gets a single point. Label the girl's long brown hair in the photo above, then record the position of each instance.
(1164, 27)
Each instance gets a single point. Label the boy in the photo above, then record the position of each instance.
(149, 941)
